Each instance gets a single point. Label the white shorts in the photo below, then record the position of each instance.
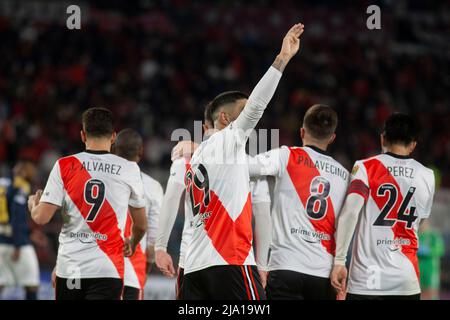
(22, 273)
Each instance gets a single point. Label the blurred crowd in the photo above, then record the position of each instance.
(156, 68)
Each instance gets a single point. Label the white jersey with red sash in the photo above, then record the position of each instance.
(136, 265)
(218, 186)
(94, 189)
(259, 191)
(309, 191)
(399, 193)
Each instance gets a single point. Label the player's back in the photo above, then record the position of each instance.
(218, 185)
(94, 189)
(309, 192)
(399, 193)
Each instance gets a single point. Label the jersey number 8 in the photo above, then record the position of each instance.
(317, 204)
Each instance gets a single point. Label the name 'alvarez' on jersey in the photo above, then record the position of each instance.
(94, 190)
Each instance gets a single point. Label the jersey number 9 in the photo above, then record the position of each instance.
(94, 194)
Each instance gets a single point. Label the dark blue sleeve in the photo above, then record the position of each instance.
(18, 217)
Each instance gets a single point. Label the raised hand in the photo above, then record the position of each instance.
(291, 41)
(289, 47)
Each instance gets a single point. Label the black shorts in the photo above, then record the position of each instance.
(228, 282)
(88, 289)
(131, 293)
(291, 285)
(179, 284)
(351, 296)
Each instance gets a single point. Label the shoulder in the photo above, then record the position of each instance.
(339, 165)
(152, 183)
(359, 169)
(428, 173)
(366, 161)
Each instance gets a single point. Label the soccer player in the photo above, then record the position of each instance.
(174, 191)
(129, 145)
(94, 190)
(18, 262)
(219, 261)
(175, 188)
(309, 191)
(389, 195)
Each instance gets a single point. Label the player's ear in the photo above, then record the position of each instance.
(302, 133)
(412, 146)
(83, 136)
(223, 119)
(332, 138)
(113, 137)
(382, 140)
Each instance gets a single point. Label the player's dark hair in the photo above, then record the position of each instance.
(320, 121)
(224, 99)
(401, 128)
(98, 122)
(128, 144)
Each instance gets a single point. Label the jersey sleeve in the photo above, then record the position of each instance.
(177, 172)
(270, 163)
(260, 191)
(170, 204)
(431, 188)
(257, 103)
(137, 195)
(359, 182)
(54, 189)
(153, 213)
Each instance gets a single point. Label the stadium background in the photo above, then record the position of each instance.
(157, 63)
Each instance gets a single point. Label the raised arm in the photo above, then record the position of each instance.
(264, 90)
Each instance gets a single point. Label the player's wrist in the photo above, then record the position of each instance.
(263, 268)
(133, 242)
(281, 61)
(159, 248)
(338, 261)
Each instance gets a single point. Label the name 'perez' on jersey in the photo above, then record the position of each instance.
(399, 193)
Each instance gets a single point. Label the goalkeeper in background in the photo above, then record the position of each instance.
(431, 250)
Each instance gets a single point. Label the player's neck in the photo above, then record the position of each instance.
(98, 145)
(321, 146)
(398, 150)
